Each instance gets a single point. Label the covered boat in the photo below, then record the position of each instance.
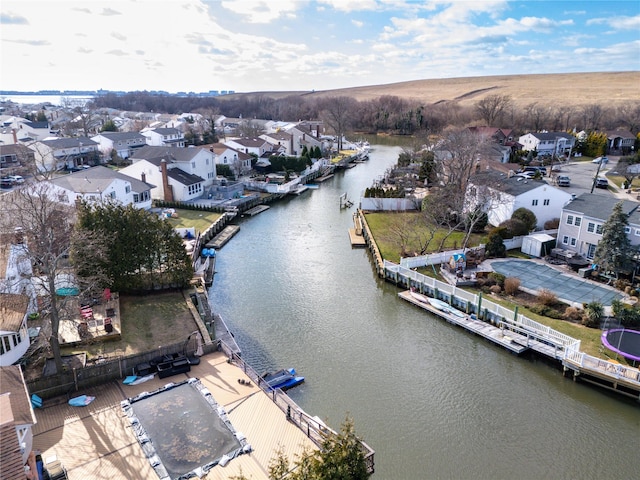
(283, 379)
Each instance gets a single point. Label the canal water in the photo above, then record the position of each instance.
(431, 400)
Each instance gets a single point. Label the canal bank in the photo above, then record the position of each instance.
(296, 294)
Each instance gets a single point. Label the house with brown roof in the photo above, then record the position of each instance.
(14, 335)
(620, 142)
(16, 422)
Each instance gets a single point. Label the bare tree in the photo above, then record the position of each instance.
(336, 112)
(629, 115)
(537, 116)
(84, 117)
(492, 107)
(47, 230)
(249, 129)
(592, 116)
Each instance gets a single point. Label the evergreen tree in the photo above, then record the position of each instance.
(614, 252)
(495, 246)
(109, 126)
(527, 217)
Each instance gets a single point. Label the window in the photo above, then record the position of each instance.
(578, 221)
(637, 232)
(193, 164)
(534, 202)
(127, 189)
(591, 251)
(545, 201)
(569, 219)
(573, 242)
(599, 229)
(627, 230)
(565, 240)
(591, 227)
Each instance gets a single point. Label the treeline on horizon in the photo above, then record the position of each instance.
(391, 114)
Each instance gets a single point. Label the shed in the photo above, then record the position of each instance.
(538, 244)
(458, 261)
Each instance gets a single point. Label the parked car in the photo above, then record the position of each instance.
(602, 160)
(602, 182)
(542, 170)
(563, 181)
(6, 182)
(525, 175)
(17, 179)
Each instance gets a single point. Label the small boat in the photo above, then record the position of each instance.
(283, 379)
(445, 307)
(419, 297)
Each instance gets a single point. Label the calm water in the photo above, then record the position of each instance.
(431, 400)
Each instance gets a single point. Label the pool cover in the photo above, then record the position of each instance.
(535, 276)
(182, 430)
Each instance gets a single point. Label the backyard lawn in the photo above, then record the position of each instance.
(198, 219)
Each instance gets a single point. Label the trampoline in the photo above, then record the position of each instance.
(182, 430)
(624, 342)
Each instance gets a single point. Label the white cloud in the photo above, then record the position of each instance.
(622, 23)
(261, 11)
(357, 23)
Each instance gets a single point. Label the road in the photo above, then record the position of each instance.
(582, 175)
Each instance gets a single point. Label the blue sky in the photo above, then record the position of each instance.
(266, 45)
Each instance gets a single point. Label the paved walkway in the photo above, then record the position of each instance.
(535, 276)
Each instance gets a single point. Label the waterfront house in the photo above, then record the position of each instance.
(64, 153)
(16, 425)
(239, 162)
(101, 183)
(163, 137)
(548, 143)
(500, 194)
(582, 220)
(280, 139)
(124, 143)
(251, 146)
(181, 174)
(14, 335)
(305, 133)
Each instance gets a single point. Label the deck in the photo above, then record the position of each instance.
(256, 210)
(96, 442)
(223, 237)
(507, 339)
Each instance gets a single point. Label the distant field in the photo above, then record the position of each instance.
(612, 88)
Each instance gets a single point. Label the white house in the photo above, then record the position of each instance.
(548, 143)
(16, 425)
(101, 183)
(255, 146)
(499, 195)
(238, 161)
(280, 139)
(14, 130)
(14, 336)
(60, 153)
(164, 137)
(124, 143)
(181, 174)
(305, 133)
(582, 220)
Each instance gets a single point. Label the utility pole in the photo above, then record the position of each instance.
(595, 179)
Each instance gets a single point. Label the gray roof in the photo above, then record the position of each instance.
(183, 177)
(166, 131)
(69, 142)
(115, 136)
(599, 206)
(502, 182)
(96, 179)
(170, 154)
(250, 142)
(552, 135)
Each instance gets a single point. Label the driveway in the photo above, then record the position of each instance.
(535, 276)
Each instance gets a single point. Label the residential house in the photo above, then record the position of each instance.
(548, 143)
(16, 426)
(64, 153)
(124, 143)
(502, 143)
(101, 183)
(181, 174)
(15, 157)
(239, 162)
(164, 137)
(252, 146)
(305, 133)
(582, 220)
(500, 194)
(280, 139)
(14, 335)
(620, 142)
(14, 130)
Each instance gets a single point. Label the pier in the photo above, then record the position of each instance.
(256, 210)
(223, 237)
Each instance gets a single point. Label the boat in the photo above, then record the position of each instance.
(282, 379)
(419, 297)
(445, 307)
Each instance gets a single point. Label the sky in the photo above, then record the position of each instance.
(304, 45)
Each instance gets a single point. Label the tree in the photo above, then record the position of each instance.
(341, 457)
(593, 314)
(48, 231)
(109, 126)
(337, 113)
(495, 246)
(492, 107)
(614, 252)
(143, 251)
(527, 217)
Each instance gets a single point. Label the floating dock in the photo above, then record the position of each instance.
(223, 237)
(503, 338)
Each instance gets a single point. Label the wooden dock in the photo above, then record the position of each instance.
(256, 210)
(223, 237)
(356, 240)
(504, 338)
(324, 178)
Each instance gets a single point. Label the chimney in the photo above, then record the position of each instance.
(168, 191)
(15, 136)
(143, 177)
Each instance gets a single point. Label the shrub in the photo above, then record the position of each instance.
(495, 289)
(546, 311)
(552, 224)
(594, 312)
(511, 285)
(573, 314)
(497, 278)
(547, 297)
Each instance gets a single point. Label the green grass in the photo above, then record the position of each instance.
(199, 219)
(387, 229)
